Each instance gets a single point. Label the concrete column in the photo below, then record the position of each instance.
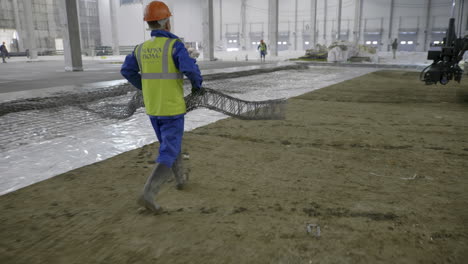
(208, 30)
(18, 26)
(338, 27)
(357, 21)
(390, 25)
(313, 21)
(71, 38)
(428, 27)
(243, 38)
(28, 18)
(295, 27)
(82, 36)
(273, 26)
(114, 25)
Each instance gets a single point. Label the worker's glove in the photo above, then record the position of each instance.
(198, 91)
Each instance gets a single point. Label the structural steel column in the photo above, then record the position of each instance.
(295, 27)
(273, 26)
(71, 38)
(325, 11)
(313, 22)
(357, 21)
(221, 20)
(452, 8)
(208, 30)
(461, 19)
(428, 28)
(465, 18)
(338, 27)
(28, 17)
(390, 25)
(114, 26)
(18, 27)
(243, 39)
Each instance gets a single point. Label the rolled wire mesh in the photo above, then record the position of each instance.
(68, 99)
(114, 102)
(24, 121)
(251, 110)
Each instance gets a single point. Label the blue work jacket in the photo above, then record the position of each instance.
(187, 65)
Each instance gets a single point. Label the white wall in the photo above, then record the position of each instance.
(131, 29)
(105, 23)
(187, 20)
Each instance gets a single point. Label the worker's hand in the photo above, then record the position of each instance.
(198, 91)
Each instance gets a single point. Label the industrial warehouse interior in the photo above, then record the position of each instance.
(233, 131)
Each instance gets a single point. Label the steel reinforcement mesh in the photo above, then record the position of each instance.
(208, 98)
(114, 102)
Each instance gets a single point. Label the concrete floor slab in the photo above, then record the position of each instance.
(26, 76)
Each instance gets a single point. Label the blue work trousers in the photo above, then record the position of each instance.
(169, 133)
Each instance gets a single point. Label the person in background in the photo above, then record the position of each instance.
(157, 67)
(4, 52)
(394, 48)
(263, 50)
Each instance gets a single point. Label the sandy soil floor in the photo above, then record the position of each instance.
(379, 162)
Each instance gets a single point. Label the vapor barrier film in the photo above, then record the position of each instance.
(39, 144)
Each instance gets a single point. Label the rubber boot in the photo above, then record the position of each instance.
(157, 178)
(180, 176)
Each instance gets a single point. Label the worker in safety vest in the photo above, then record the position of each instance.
(263, 50)
(157, 67)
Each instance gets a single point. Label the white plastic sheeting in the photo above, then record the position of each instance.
(45, 157)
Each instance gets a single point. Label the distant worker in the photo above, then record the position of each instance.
(4, 52)
(394, 48)
(263, 50)
(156, 67)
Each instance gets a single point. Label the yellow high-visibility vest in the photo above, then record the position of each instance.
(162, 82)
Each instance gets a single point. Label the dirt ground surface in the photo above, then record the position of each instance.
(379, 163)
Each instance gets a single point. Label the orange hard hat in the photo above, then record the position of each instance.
(156, 10)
